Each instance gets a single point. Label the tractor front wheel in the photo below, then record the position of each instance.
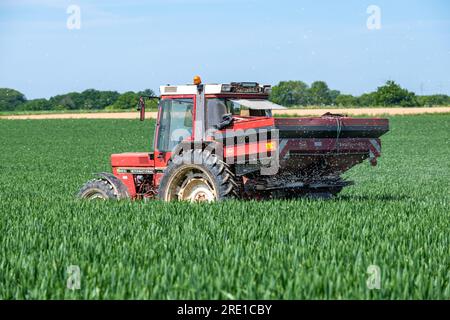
(97, 189)
(197, 176)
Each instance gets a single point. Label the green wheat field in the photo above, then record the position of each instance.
(396, 216)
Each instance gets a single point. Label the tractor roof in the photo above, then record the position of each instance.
(234, 87)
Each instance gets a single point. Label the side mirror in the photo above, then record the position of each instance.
(141, 108)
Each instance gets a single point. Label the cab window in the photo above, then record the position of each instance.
(217, 107)
(175, 123)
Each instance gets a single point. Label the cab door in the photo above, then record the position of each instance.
(175, 124)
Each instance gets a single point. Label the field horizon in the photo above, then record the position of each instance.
(152, 113)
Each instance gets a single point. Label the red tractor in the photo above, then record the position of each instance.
(220, 141)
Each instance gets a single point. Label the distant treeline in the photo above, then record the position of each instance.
(13, 100)
(298, 93)
(287, 93)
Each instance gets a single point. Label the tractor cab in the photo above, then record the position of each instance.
(191, 113)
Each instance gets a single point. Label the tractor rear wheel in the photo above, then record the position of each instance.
(197, 176)
(97, 189)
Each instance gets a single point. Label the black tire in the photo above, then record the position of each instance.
(98, 189)
(197, 175)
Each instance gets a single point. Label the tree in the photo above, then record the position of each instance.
(346, 100)
(127, 100)
(290, 93)
(10, 99)
(94, 99)
(320, 93)
(333, 95)
(147, 92)
(89, 99)
(366, 100)
(434, 100)
(68, 101)
(35, 105)
(392, 94)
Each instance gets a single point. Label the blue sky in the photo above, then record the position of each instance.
(133, 45)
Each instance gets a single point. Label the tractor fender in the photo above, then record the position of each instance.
(119, 186)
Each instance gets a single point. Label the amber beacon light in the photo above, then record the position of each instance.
(197, 80)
